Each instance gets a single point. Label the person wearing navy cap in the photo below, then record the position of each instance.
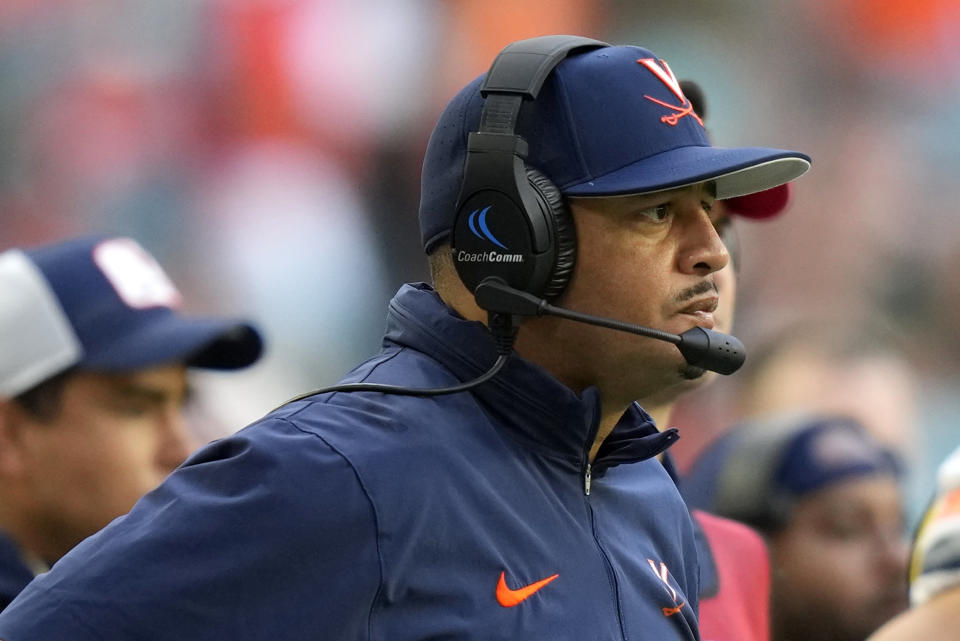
(93, 358)
(826, 495)
(487, 475)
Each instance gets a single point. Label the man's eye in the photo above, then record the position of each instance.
(655, 214)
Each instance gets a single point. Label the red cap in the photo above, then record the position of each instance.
(763, 204)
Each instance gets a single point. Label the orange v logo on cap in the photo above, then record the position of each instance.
(665, 74)
(509, 598)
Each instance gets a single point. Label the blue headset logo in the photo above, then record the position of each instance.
(484, 231)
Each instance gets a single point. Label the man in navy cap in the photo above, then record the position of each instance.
(93, 359)
(479, 478)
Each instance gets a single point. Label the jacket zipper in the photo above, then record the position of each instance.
(611, 575)
(587, 479)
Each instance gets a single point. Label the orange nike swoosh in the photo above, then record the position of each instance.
(667, 612)
(509, 598)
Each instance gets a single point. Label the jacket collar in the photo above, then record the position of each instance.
(538, 410)
(15, 572)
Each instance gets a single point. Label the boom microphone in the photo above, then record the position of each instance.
(704, 348)
(700, 347)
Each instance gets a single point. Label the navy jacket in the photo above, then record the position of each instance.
(14, 572)
(370, 516)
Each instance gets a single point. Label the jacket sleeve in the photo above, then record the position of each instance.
(267, 534)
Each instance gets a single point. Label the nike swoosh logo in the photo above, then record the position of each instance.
(509, 598)
(669, 612)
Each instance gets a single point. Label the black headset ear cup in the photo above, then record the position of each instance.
(565, 233)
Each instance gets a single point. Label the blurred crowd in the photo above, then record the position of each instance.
(268, 153)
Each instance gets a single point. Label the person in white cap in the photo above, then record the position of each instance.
(93, 359)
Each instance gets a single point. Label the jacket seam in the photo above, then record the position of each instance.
(310, 400)
(373, 508)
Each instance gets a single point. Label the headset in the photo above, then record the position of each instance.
(534, 246)
(517, 269)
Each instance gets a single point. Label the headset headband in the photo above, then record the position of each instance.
(519, 72)
(535, 234)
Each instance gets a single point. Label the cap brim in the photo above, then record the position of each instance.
(736, 172)
(196, 342)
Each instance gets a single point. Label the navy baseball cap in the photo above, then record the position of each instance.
(756, 472)
(607, 122)
(102, 304)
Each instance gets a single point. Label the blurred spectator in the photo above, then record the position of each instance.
(826, 495)
(93, 380)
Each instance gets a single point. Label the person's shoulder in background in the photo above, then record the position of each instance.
(735, 604)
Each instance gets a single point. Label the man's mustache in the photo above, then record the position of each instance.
(700, 288)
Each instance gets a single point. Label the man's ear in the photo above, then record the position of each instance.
(13, 421)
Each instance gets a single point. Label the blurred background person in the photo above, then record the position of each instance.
(93, 384)
(826, 495)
